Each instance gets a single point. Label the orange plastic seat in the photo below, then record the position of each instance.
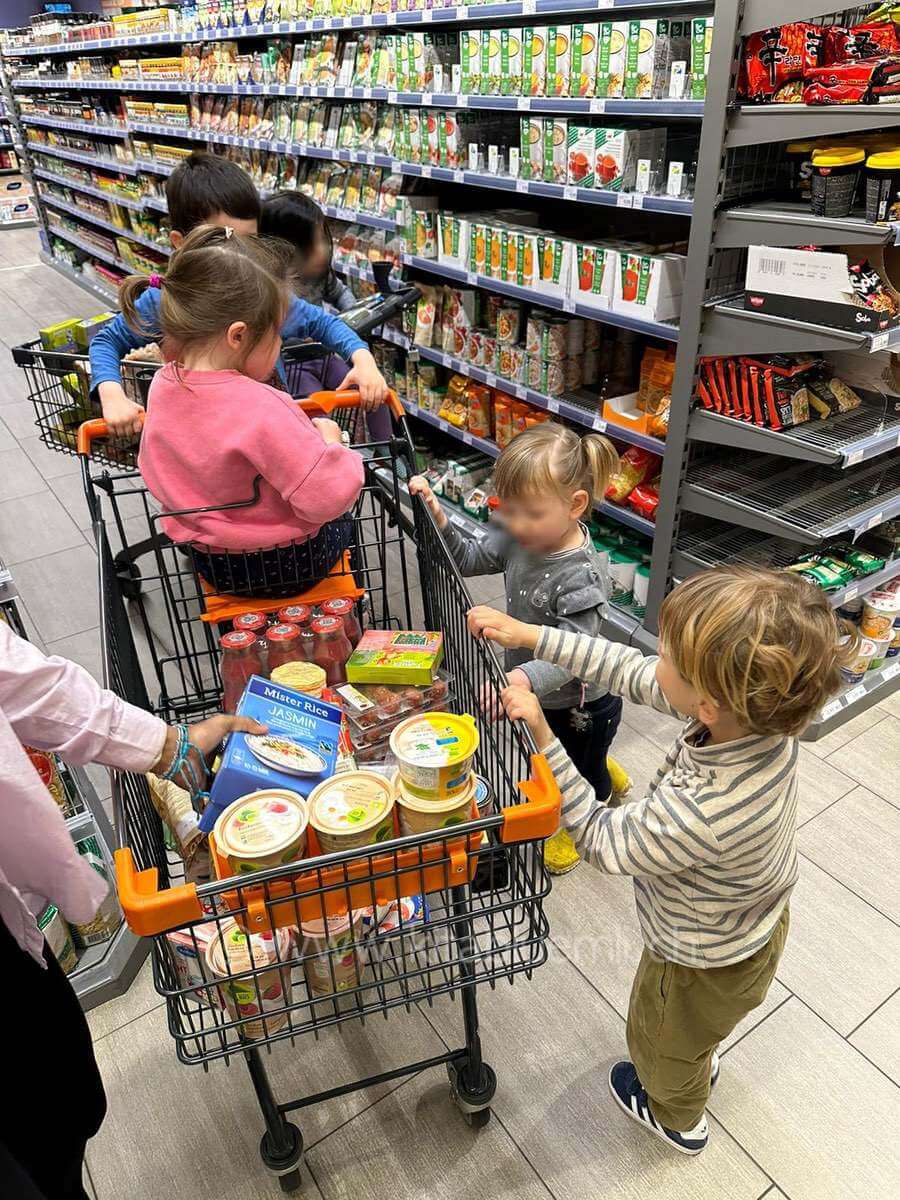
(219, 607)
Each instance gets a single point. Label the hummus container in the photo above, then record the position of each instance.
(435, 752)
(855, 670)
(264, 829)
(250, 999)
(879, 611)
(332, 964)
(351, 810)
(418, 815)
(882, 645)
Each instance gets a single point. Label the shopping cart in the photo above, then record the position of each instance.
(337, 938)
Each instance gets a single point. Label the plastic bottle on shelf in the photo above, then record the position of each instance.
(345, 609)
(332, 648)
(241, 658)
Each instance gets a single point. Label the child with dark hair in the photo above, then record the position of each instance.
(208, 189)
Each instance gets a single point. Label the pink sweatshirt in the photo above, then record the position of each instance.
(53, 704)
(208, 434)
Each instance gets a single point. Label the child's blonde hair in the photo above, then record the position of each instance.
(553, 458)
(765, 644)
(214, 278)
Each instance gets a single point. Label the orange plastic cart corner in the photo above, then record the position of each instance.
(539, 816)
(148, 910)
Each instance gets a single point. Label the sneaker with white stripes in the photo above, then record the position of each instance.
(631, 1097)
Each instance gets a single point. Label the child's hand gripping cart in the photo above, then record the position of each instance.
(249, 958)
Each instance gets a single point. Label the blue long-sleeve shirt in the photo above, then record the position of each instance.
(116, 339)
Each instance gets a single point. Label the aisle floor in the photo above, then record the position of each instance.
(808, 1104)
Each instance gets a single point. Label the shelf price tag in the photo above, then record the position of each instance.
(520, 392)
(442, 425)
(850, 594)
(552, 405)
(879, 341)
(599, 424)
(570, 192)
(471, 278)
(831, 709)
(568, 305)
(523, 103)
(875, 520)
(426, 15)
(854, 458)
(490, 379)
(459, 176)
(855, 694)
(467, 437)
(529, 8)
(624, 200)
(426, 171)
(891, 670)
(598, 105)
(392, 97)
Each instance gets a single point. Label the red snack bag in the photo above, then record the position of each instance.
(841, 45)
(645, 501)
(777, 56)
(841, 83)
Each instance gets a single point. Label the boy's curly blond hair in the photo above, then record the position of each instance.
(765, 644)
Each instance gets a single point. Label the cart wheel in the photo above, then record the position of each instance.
(478, 1120)
(475, 1106)
(287, 1165)
(129, 581)
(290, 1183)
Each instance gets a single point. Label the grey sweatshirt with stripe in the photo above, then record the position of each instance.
(711, 846)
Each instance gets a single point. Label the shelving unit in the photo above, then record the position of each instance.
(729, 491)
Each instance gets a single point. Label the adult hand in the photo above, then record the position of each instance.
(419, 486)
(497, 627)
(522, 705)
(367, 379)
(330, 430)
(205, 737)
(122, 415)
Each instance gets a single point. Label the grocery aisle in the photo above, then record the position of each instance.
(809, 1098)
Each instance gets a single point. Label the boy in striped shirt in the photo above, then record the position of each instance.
(749, 657)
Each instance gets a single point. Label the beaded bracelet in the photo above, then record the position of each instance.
(181, 763)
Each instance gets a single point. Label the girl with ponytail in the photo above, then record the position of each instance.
(548, 479)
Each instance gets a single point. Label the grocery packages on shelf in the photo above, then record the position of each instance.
(823, 64)
(775, 391)
(876, 615)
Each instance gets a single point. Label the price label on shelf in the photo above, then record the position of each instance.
(831, 709)
(570, 192)
(879, 341)
(426, 98)
(519, 391)
(624, 200)
(891, 669)
(426, 15)
(467, 437)
(529, 8)
(521, 185)
(552, 405)
(876, 520)
(523, 103)
(637, 200)
(471, 278)
(854, 458)
(426, 172)
(568, 305)
(599, 424)
(855, 694)
(392, 97)
(459, 176)
(850, 594)
(598, 105)
(442, 425)
(490, 379)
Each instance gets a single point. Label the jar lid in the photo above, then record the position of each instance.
(339, 607)
(838, 156)
(262, 823)
(885, 160)
(254, 621)
(350, 803)
(283, 633)
(237, 639)
(294, 614)
(327, 624)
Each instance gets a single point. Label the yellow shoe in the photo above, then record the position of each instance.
(560, 855)
(621, 781)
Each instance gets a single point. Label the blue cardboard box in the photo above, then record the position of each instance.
(298, 752)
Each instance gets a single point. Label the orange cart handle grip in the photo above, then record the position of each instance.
(538, 817)
(90, 431)
(148, 910)
(327, 402)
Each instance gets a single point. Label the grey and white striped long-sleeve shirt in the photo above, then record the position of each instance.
(712, 844)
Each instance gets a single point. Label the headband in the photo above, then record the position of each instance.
(155, 281)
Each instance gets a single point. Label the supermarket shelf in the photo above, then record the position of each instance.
(7, 145)
(623, 515)
(770, 224)
(876, 686)
(84, 215)
(505, 10)
(158, 203)
(700, 549)
(155, 168)
(118, 131)
(660, 329)
(730, 328)
(754, 125)
(843, 440)
(89, 160)
(107, 295)
(372, 220)
(568, 408)
(10, 171)
(88, 246)
(27, 223)
(808, 504)
(65, 181)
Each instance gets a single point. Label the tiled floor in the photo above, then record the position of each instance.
(808, 1105)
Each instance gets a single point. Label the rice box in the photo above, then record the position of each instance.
(559, 56)
(591, 281)
(611, 56)
(555, 149)
(581, 144)
(531, 143)
(554, 258)
(510, 62)
(470, 60)
(534, 60)
(391, 656)
(701, 45)
(297, 753)
(583, 70)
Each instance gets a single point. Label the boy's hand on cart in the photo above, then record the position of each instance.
(419, 486)
(523, 705)
(367, 379)
(497, 627)
(204, 739)
(330, 430)
(122, 415)
(489, 701)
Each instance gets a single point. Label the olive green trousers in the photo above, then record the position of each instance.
(678, 1015)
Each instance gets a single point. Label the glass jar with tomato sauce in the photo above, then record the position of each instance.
(241, 658)
(332, 648)
(344, 608)
(284, 645)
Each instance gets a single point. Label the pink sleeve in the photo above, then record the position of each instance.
(54, 704)
(319, 481)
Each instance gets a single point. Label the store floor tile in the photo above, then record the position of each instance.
(819, 784)
(18, 476)
(36, 526)
(60, 591)
(878, 1038)
(873, 756)
(810, 1110)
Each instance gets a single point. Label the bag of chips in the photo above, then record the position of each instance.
(778, 56)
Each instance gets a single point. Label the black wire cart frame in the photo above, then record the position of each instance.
(327, 940)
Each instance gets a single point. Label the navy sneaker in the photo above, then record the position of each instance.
(629, 1094)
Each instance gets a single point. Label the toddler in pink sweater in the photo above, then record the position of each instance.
(257, 490)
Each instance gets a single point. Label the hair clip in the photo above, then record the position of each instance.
(228, 232)
(155, 281)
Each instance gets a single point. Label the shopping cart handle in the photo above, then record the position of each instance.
(91, 431)
(327, 402)
(148, 910)
(538, 817)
